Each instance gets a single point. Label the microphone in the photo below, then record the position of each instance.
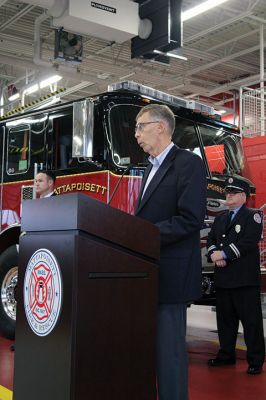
(118, 183)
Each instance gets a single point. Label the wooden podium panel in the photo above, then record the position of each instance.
(103, 344)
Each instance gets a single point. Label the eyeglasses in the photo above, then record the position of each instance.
(140, 125)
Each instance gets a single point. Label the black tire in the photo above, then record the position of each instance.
(8, 285)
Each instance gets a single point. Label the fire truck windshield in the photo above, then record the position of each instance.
(221, 148)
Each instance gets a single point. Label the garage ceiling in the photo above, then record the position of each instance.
(222, 47)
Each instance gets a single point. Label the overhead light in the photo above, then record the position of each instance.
(50, 81)
(32, 89)
(174, 55)
(14, 97)
(222, 111)
(170, 54)
(201, 8)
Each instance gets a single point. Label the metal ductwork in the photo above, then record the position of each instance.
(115, 20)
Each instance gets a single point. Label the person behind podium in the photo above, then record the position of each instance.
(173, 197)
(44, 184)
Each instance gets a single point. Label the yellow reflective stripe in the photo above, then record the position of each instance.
(241, 347)
(32, 103)
(5, 394)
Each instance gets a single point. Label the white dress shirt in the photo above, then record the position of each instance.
(156, 163)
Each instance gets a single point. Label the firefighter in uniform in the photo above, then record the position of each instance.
(233, 248)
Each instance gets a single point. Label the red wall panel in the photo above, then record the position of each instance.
(255, 165)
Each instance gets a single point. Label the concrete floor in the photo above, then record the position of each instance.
(201, 321)
(226, 383)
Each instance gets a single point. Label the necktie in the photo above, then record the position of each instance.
(229, 218)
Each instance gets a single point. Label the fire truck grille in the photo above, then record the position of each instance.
(27, 193)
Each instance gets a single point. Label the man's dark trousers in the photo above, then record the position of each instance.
(171, 345)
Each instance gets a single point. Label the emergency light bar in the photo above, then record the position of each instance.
(162, 96)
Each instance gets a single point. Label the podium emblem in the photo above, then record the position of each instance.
(42, 292)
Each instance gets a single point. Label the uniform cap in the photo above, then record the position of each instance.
(234, 185)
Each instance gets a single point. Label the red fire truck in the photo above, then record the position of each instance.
(90, 145)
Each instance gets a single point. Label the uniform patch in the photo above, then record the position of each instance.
(257, 218)
(237, 228)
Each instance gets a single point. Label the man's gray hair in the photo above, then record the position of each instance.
(159, 112)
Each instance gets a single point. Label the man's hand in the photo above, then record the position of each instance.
(221, 263)
(217, 255)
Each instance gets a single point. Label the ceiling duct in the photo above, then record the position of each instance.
(166, 29)
(113, 20)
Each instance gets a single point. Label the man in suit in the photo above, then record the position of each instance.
(44, 184)
(173, 197)
(233, 247)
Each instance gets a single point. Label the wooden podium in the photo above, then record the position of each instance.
(93, 270)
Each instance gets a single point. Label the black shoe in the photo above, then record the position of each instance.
(254, 370)
(218, 362)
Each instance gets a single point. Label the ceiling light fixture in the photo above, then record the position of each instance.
(201, 8)
(14, 97)
(49, 81)
(31, 89)
(170, 54)
(173, 55)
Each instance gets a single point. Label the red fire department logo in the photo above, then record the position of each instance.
(42, 292)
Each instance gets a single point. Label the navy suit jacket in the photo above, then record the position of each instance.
(175, 201)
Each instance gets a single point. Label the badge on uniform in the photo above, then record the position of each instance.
(237, 228)
(257, 218)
